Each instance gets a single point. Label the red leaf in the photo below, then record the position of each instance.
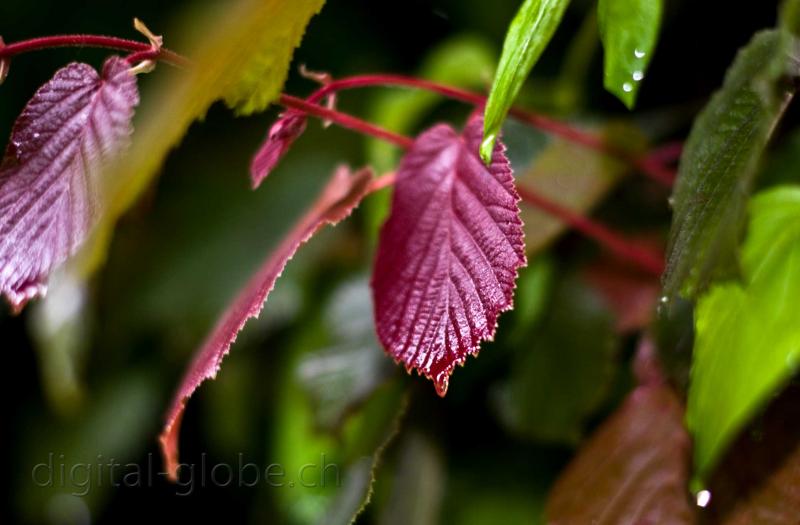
(448, 255)
(631, 295)
(49, 176)
(635, 469)
(282, 134)
(338, 199)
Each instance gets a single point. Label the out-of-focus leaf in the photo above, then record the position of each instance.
(629, 31)
(51, 172)
(719, 163)
(341, 376)
(575, 177)
(340, 491)
(336, 201)
(448, 255)
(282, 134)
(790, 16)
(565, 370)
(631, 295)
(240, 52)
(747, 344)
(463, 61)
(75, 455)
(418, 485)
(634, 469)
(59, 327)
(533, 294)
(527, 37)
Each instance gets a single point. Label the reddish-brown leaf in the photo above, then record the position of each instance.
(338, 199)
(635, 469)
(449, 253)
(289, 126)
(49, 175)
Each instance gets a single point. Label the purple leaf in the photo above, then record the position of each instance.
(338, 199)
(49, 177)
(449, 253)
(289, 126)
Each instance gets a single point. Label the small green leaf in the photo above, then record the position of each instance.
(720, 161)
(629, 31)
(747, 343)
(527, 37)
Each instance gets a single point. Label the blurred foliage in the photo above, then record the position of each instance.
(92, 367)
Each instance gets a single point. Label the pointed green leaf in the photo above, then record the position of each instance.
(720, 161)
(747, 342)
(527, 37)
(629, 31)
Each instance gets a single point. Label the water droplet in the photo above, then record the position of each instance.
(703, 498)
(627, 87)
(671, 202)
(638, 54)
(664, 299)
(638, 75)
(36, 135)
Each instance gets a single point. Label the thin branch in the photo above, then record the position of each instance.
(647, 165)
(101, 41)
(345, 120)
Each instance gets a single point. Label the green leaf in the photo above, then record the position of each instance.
(527, 37)
(343, 418)
(720, 161)
(240, 52)
(629, 32)
(747, 341)
(418, 486)
(564, 370)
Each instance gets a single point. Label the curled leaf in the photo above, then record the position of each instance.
(282, 134)
(338, 199)
(448, 255)
(49, 177)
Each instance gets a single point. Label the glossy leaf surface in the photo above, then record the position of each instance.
(49, 178)
(448, 255)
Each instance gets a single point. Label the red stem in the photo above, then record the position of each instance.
(345, 120)
(618, 245)
(141, 51)
(108, 42)
(649, 166)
